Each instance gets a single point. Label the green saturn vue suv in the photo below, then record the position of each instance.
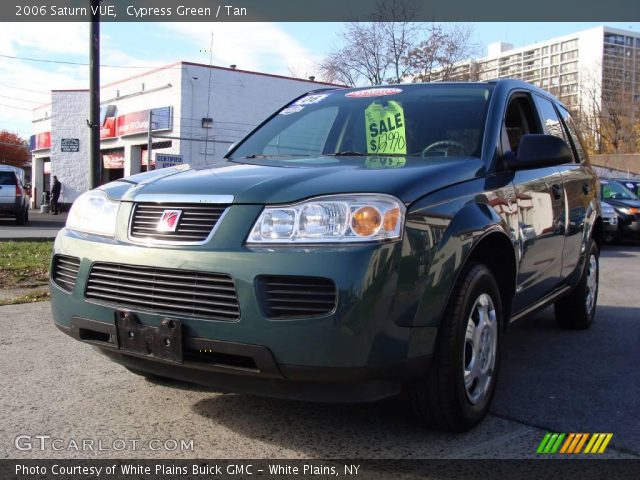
(357, 243)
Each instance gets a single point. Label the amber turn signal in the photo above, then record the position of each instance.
(366, 221)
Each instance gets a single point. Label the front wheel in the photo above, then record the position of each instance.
(576, 310)
(457, 391)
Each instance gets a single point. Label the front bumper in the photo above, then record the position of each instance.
(356, 353)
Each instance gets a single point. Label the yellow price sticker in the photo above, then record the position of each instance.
(385, 128)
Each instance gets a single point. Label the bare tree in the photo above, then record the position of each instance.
(607, 114)
(440, 51)
(397, 21)
(371, 49)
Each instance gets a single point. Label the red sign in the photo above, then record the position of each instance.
(108, 129)
(144, 156)
(373, 92)
(113, 160)
(130, 123)
(42, 141)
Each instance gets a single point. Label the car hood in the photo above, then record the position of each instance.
(282, 181)
(623, 203)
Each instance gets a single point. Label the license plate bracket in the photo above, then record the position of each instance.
(163, 342)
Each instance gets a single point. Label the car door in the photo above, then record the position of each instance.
(581, 189)
(541, 210)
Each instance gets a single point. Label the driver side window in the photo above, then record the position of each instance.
(519, 120)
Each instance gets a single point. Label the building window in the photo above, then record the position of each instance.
(554, 48)
(613, 38)
(555, 59)
(570, 45)
(545, 50)
(568, 67)
(569, 55)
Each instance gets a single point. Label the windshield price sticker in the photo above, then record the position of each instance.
(291, 109)
(310, 99)
(385, 128)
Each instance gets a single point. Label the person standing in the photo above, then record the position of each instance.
(55, 195)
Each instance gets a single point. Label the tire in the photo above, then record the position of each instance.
(441, 399)
(576, 310)
(21, 217)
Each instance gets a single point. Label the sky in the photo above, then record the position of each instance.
(130, 48)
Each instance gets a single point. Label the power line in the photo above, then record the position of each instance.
(20, 99)
(82, 64)
(18, 108)
(25, 89)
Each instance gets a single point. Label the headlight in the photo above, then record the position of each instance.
(330, 219)
(93, 212)
(607, 209)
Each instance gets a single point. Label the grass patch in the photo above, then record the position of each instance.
(37, 296)
(24, 264)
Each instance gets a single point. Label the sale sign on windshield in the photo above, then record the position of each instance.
(385, 128)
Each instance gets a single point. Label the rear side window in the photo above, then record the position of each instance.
(573, 132)
(8, 178)
(550, 120)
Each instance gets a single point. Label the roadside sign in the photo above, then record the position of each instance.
(70, 145)
(164, 160)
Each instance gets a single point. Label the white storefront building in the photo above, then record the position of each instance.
(197, 112)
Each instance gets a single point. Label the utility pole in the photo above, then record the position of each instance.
(149, 141)
(95, 165)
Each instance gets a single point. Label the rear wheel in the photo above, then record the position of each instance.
(21, 217)
(458, 389)
(576, 311)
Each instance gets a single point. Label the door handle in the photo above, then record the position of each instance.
(557, 191)
(586, 189)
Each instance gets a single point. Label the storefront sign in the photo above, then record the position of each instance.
(40, 141)
(113, 160)
(108, 128)
(165, 160)
(70, 145)
(138, 122)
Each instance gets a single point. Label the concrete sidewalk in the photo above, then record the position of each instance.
(41, 226)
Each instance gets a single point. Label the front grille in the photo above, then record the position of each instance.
(65, 271)
(164, 291)
(289, 296)
(195, 223)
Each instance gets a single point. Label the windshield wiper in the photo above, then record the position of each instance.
(351, 153)
(276, 155)
(347, 153)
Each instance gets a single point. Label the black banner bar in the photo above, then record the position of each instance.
(320, 469)
(317, 11)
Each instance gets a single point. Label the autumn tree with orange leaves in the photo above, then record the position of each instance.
(13, 149)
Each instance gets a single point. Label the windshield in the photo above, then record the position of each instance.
(436, 120)
(617, 191)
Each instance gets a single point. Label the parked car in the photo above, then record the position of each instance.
(357, 242)
(631, 183)
(626, 204)
(14, 199)
(609, 222)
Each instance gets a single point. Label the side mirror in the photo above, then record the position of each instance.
(538, 151)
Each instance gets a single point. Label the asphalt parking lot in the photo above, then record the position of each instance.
(39, 226)
(552, 380)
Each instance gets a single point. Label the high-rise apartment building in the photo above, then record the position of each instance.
(590, 63)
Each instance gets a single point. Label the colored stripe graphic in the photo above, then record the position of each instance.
(573, 443)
